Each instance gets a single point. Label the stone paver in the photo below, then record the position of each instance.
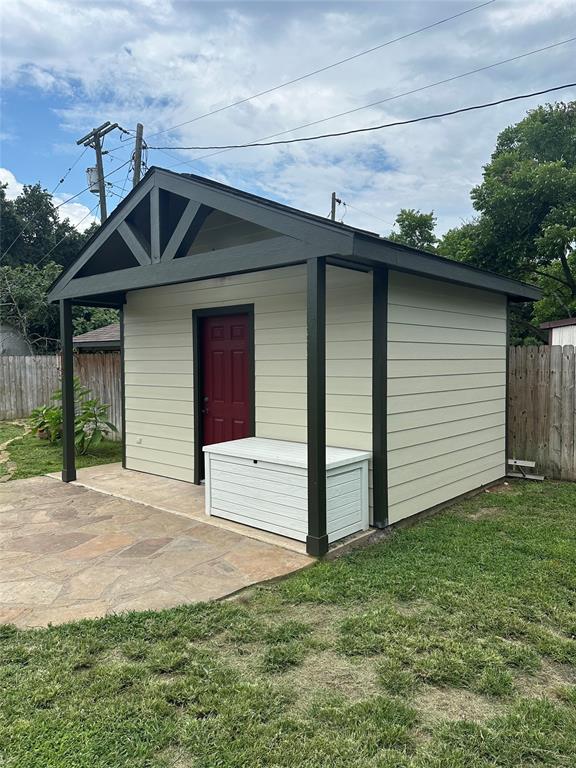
(68, 552)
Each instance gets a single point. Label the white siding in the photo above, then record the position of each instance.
(565, 335)
(446, 392)
(158, 362)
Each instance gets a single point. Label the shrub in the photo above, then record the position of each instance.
(91, 423)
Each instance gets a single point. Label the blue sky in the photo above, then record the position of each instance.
(68, 66)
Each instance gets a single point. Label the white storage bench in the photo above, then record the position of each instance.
(263, 483)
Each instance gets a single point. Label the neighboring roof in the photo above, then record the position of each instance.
(558, 323)
(107, 337)
(301, 236)
(12, 342)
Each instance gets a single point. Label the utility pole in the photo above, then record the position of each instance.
(335, 200)
(94, 140)
(138, 154)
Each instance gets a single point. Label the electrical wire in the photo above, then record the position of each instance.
(325, 68)
(56, 207)
(366, 213)
(74, 164)
(379, 127)
(387, 99)
(315, 72)
(65, 236)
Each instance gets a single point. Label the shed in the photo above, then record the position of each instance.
(106, 338)
(242, 317)
(12, 342)
(561, 332)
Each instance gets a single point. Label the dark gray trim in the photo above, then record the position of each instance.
(96, 346)
(68, 449)
(282, 219)
(126, 206)
(155, 215)
(380, 397)
(312, 235)
(197, 316)
(180, 230)
(507, 391)
(403, 259)
(317, 539)
(558, 323)
(252, 257)
(123, 387)
(134, 242)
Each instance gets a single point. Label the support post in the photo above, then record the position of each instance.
(317, 539)
(123, 386)
(380, 397)
(66, 333)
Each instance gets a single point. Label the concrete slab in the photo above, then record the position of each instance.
(68, 552)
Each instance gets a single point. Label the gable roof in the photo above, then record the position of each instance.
(558, 323)
(149, 241)
(106, 337)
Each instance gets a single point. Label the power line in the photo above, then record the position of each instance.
(56, 207)
(324, 68)
(384, 125)
(385, 100)
(65, 236)
(69, 170)
(366, 213)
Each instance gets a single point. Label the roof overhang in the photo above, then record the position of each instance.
(293, 238)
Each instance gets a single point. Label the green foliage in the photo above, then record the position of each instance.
(46, 422)
(526, 204)
(448, 620)
(91, 424)
(415, 229)
(35, 245)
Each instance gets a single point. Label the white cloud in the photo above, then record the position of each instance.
(163, 63)
(78, 214)
(14, 187)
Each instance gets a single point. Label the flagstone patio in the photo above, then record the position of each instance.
(68, 552)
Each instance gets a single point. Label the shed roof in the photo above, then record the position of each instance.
(106, 337)
(558, 323)
(175, 228)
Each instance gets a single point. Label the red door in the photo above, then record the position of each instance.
(225, 378)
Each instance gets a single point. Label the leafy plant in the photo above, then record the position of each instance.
(91, 423)
(46, 422)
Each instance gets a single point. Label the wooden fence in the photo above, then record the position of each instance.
(27, 382)
(541, 398)
(542, 409)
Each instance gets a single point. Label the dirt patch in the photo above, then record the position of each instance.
(504, 488)
(435, 704)
(484, 512)
(547, 682)
(327, 672)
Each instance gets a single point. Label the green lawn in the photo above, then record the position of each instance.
(38, 457)
(449, 645)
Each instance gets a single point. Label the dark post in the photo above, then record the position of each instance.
(380, 396)
(123, 385)
(68, 457)
(317, 539)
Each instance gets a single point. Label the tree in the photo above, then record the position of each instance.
(35, 245)
(416, 229)
(31, 228)
(526, 204)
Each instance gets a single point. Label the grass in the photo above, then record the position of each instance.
(33, 456)
(449, 645)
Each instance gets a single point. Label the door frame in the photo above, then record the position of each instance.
(197, 317)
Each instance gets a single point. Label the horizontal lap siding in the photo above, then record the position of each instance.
(158, 361)
(446, 392)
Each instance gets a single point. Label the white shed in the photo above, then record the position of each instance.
(561, 332)
(243, 318)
